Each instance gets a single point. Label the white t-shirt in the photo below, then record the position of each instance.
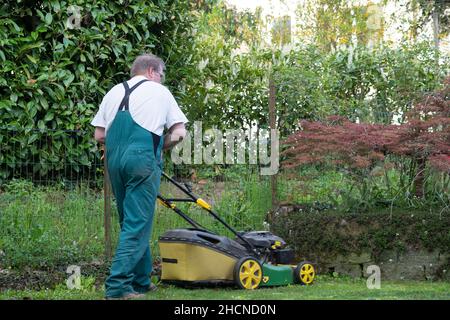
(151, 106)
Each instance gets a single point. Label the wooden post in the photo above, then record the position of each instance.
(273, 125)
(107, 209)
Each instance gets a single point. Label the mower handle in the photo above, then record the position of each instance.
(202, 203)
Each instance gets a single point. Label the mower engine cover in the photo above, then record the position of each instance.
(280, 254)
(262, 239)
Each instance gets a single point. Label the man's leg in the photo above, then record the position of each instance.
(141, 281)
(139, 204)
(142, 271)
(118, 189)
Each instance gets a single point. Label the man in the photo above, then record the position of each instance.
(131, 121)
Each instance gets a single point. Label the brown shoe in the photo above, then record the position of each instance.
(129, 296)
(150, 288)
(134, 296)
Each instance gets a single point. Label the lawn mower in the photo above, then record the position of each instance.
(254, 259)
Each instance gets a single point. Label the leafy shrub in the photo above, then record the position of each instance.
(47, 227)
(58, 59)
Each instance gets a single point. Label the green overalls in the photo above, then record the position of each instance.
(134, 164)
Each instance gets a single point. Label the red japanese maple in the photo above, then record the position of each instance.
(424, 138)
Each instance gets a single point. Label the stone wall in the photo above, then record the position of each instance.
(404, 244)
(410, 265)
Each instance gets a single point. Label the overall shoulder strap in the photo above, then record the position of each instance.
(124, 105)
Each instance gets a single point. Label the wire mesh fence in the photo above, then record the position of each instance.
(52, 200)
(50, 196)
(46, 157)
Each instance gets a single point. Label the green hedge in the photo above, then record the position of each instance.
(58, 59)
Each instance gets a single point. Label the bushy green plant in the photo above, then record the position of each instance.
(48, 226)
(58, 59)
(375, 85)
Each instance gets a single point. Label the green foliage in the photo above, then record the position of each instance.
(58, 60)
(225, 90)
(336, 22)
(245, 206)
(242, 203)
(379, 188)
(427, 8)
(377, 85)
(47, 227)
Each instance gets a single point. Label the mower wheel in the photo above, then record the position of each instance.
(248, 273)
(304, 273)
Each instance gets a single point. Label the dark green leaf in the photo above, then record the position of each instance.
(48, 18)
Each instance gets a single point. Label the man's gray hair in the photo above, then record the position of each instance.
(143, 62)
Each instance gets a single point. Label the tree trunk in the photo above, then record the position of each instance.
(420, 178)
(436, 26)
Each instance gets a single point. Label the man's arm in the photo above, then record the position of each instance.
(176, 133)
(99, 134)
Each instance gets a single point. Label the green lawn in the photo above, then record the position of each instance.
(325, 287)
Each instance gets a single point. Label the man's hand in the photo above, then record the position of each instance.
(175, 135)
(99, 134)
